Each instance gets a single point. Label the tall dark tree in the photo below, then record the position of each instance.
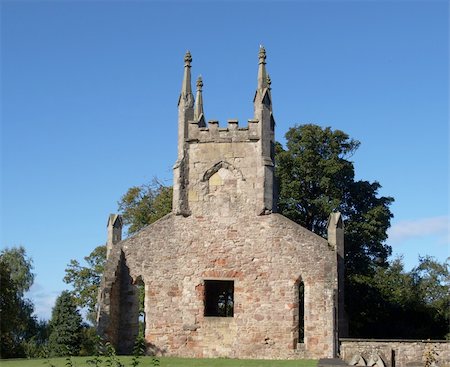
(16, 312)
(66, 327)
(315, 178)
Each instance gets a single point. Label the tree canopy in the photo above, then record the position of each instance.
(145, 204)
(17, 322)
(139, 206)
(85, 280)
(394, 303)
(66, 326)
(316, 177)
(20, 266)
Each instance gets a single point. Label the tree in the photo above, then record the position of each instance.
(140, 206)
(16, 320)
(66, 326)
(37, 345)
(399, 304)
(145, 204)
(20, 266)
(85, 280)
(433, 283)
(315, 178)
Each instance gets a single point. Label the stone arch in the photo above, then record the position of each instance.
(222, 186)
(139, 283)
(222, 164)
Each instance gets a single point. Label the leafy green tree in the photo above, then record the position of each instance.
(433, 285)
(383, 301)
(140, 206)
(10, 322)
(66, 327)
(16, 320)
(315, 178)
(85, 280)
(145, 204)
(37, 345)
(20, 266)
(400, 304)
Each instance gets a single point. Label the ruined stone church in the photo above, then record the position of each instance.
(224, 274)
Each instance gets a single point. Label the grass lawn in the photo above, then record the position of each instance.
(164, 362)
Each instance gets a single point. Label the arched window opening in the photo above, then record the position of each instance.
(139, 283)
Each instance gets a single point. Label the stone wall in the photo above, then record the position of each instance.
(395, 353)
(265, 256)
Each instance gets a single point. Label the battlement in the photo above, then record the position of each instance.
(232, 133)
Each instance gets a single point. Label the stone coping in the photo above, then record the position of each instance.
(393, 340)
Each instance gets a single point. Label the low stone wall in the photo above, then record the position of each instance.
(393, 353)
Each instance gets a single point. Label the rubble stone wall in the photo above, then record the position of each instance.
(396, 353)
(265, 256)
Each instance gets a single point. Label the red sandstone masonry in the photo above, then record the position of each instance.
(404, 352)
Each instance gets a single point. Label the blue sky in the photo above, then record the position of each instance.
(89, 94)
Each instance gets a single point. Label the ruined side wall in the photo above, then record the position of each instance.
(118, 304)
(264, 255)
(396, 353)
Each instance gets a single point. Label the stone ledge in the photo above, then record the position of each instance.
(341, 340)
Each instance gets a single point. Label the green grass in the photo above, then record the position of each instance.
(164, 362)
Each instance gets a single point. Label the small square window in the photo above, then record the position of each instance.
(219, 298)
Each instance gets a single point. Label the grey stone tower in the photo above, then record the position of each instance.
(201, 143)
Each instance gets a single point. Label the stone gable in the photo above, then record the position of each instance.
(224, 274)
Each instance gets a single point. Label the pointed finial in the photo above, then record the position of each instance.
(186, 91)
(187, 59)
(269, 81)
(262, 55)
(198, 108)
(199, 83)
(262, 76)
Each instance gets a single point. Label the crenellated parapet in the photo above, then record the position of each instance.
(213, 133)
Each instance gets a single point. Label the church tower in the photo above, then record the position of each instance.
(224, 275)
(238, 161)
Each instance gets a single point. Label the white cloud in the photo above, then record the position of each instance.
(43, 300)
(435, 226)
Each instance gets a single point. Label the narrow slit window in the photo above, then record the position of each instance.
(301, 312)
(219, 298)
